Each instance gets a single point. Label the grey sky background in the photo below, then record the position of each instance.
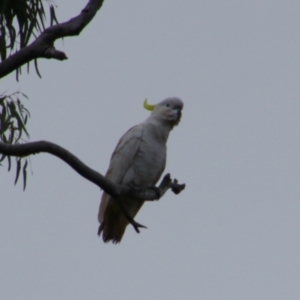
(234, 232)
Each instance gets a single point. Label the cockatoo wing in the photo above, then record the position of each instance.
(121, 160)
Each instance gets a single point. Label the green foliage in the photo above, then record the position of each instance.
(13, 120)
(19, 21)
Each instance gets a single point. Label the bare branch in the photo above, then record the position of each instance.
(43, 46)
(116, 191)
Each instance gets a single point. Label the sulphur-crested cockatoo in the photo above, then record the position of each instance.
(138, 160)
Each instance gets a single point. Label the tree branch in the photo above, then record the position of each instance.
(43, 46)
(116, 191)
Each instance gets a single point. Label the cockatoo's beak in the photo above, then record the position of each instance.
(148, 106)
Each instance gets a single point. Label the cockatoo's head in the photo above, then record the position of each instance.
(167, 110)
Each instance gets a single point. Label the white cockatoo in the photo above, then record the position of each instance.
(138, 160)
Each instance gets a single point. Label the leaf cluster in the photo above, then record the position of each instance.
(13, 119)
(19, 21)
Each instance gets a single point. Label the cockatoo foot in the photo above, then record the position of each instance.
(157, 191)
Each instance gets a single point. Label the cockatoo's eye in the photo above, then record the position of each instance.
(167, 105)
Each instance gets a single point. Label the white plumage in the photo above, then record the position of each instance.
(139, 159)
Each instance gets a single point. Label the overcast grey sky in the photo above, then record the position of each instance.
(234, 232)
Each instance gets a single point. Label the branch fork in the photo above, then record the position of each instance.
(43, 46)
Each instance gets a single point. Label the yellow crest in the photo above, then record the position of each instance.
(148, 106)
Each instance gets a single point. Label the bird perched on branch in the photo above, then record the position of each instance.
(138, 160)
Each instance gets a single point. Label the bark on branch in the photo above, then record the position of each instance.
(43, 46)
(116, 191)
